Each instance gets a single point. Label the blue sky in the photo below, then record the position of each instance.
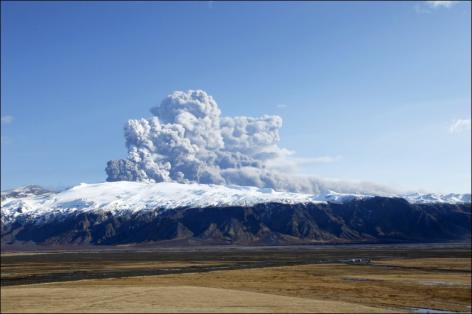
(380, 91)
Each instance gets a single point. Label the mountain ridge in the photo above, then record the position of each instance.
(86, 214)
(134, 196)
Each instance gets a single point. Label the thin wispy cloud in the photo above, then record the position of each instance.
(460, 126)
(426, 7)
(4, 140)
(7, 119)
(281, 106)
(441, 4)
(295, 164)
(316, 160)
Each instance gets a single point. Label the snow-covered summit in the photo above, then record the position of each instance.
(24, 191)
(422, 198)
(128, 197)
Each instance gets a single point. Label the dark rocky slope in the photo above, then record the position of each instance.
(373, 220)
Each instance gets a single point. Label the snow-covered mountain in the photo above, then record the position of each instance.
(123, 197)
(126, 196)
(134, 212)
(425, 198)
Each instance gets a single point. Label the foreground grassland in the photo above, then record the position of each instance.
(384, 279)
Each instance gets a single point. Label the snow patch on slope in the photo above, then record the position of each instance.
(424, 198)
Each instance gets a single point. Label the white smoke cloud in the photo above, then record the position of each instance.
(187, 140)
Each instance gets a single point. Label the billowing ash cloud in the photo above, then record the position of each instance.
(187, 140)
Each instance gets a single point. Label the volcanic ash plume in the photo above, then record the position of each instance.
(187, 140)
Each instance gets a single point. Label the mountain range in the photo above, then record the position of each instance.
(136, 212)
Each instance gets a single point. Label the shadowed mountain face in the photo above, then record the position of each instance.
(376, 219)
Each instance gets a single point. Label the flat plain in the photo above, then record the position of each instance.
(342, 278)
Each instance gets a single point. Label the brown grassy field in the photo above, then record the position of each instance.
(437, 263)
(135, 298)
(385, 283)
